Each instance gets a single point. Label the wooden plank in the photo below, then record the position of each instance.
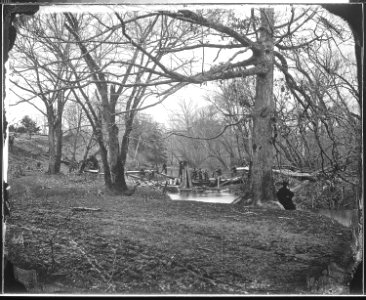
(290, 173)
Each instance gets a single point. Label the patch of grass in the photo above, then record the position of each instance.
(146, 243)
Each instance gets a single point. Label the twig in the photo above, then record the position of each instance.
(209, 250)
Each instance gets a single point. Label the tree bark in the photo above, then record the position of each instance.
(55, 134)
(78, 129)
(58, 142)
(124, 151)
(261, 177)
(55, 146)
(51, 147)
(104, 156)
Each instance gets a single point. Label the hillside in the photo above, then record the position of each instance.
(149, 244)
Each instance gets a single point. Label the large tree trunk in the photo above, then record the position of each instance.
(54, 116)
(58, 142)
(106, 169)
(124, 150)
(104, 156)
(51, 150)
(261, 176)
(115, 162)
(51, 147)
(55, 148)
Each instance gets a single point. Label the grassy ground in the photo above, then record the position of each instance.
(149, 244)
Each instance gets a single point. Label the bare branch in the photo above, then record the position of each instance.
(216, 46)
(202, 138)
(189, 16)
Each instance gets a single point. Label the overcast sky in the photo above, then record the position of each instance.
(160, 112)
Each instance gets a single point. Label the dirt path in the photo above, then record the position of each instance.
(149, 244)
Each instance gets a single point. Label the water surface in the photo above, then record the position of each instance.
(211, 197)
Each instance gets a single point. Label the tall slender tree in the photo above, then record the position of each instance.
(37, 69)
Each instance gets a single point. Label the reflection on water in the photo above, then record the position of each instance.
(212, 197)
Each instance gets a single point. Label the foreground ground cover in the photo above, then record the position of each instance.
(149, 244)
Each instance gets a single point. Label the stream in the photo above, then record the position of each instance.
(212, 197)
(344, 217)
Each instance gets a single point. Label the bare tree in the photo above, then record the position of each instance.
(183, 127)
(77, 130)
(116, 76)
(257, 38)
(36, 69)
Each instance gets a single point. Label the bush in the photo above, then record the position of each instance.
(29, 126)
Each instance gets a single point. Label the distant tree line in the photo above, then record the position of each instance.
(27, 125)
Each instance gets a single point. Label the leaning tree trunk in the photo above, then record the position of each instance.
(261, 176)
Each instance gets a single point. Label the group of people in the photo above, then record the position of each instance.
(203, 175)
(200, 175)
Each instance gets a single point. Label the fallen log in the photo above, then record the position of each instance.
(289, 173)
(85, 209)
(141, 171)
(234, 180)
(91, 171)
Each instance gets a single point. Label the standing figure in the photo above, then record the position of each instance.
(181, 166)
(205, 175)
(284, 196)
(194, 174)
(200, 175)
(164, 169)
(219, 173)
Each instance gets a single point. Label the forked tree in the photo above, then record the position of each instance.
(262, 45)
